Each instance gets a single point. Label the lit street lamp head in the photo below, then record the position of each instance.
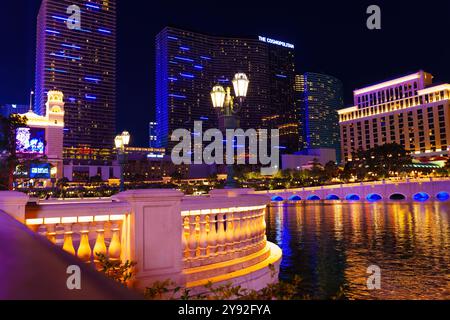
(218, 96)
(240, 83)
(122, 140)
(126, 138)
(118, 141)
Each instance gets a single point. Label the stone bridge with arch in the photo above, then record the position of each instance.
(410, 190)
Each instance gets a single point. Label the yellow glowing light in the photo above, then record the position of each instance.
(52, 220)
(117, 217)
(34, 222)
(69, 220)
(101, 218)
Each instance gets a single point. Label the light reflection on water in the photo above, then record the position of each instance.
(330, 245)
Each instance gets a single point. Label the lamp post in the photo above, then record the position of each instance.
(228, 110)
(121, 141)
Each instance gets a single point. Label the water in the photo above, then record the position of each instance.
(331, 245)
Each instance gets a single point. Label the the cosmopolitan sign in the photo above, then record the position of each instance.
(277, 42)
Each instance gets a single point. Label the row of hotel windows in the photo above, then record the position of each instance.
(402, 130)
(406, 103)
(390, 94)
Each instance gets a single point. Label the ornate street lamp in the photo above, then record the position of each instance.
(228, 110)
(122, 141)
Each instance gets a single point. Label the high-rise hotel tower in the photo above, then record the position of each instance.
(410, 111)
(189, 64)
(319, 97)
(76, 54)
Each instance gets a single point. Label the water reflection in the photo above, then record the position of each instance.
(330, 245)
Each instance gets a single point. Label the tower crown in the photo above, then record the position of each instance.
(55, 101)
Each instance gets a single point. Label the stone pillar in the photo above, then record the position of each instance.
(155, 235)
(14, 203)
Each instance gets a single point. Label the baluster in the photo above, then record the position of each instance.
(192, 236)
(100, 245)
(221, 231)
(51, 233)
(212, 234)
(203, 238)
(184, 232)
(229, 236)
(251, 227)
(237, 219)
(248, 231)
(68, 239)
(84, 250)
(264, 226)
(115, 247)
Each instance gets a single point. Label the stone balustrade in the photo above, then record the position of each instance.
(215, 235)
(84, 230)
(189, 240)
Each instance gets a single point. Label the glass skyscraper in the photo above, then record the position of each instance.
(189, 64)
(80, 62)
(319, 97)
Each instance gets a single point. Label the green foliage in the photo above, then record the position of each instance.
(8, 158)
(115, 270)
(278, 290)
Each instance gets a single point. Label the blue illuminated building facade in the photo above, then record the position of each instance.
(318, 98)
(189, 64)
(80, 62)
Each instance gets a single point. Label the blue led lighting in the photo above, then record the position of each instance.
(205, 58)
(87, 96)
(204, 118)
(56, 70)
(172, 38)
(60, 18)
(64, 56)
(52, 31)
(281, 76)
(184, 59)
(93, 6)
(104, 31)
(85, 30)
(177, 96)
(70, 46)
(91, 79)
(187, 75)
(198, 67)
(173, 62)
(223, 80)
(173, 79)
(71, 99)
(185, 48)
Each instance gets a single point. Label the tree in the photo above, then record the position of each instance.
(9, 160)
(331, 170)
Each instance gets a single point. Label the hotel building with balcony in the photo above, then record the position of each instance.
(410, 111)
(80, 62)
(189, 64)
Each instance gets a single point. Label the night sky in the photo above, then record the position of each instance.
(330, 37)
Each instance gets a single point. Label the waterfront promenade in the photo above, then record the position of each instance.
(190, 240)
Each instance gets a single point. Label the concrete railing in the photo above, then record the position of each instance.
(92, 228)
(190, 240)
(218, 230)
(33, 269)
